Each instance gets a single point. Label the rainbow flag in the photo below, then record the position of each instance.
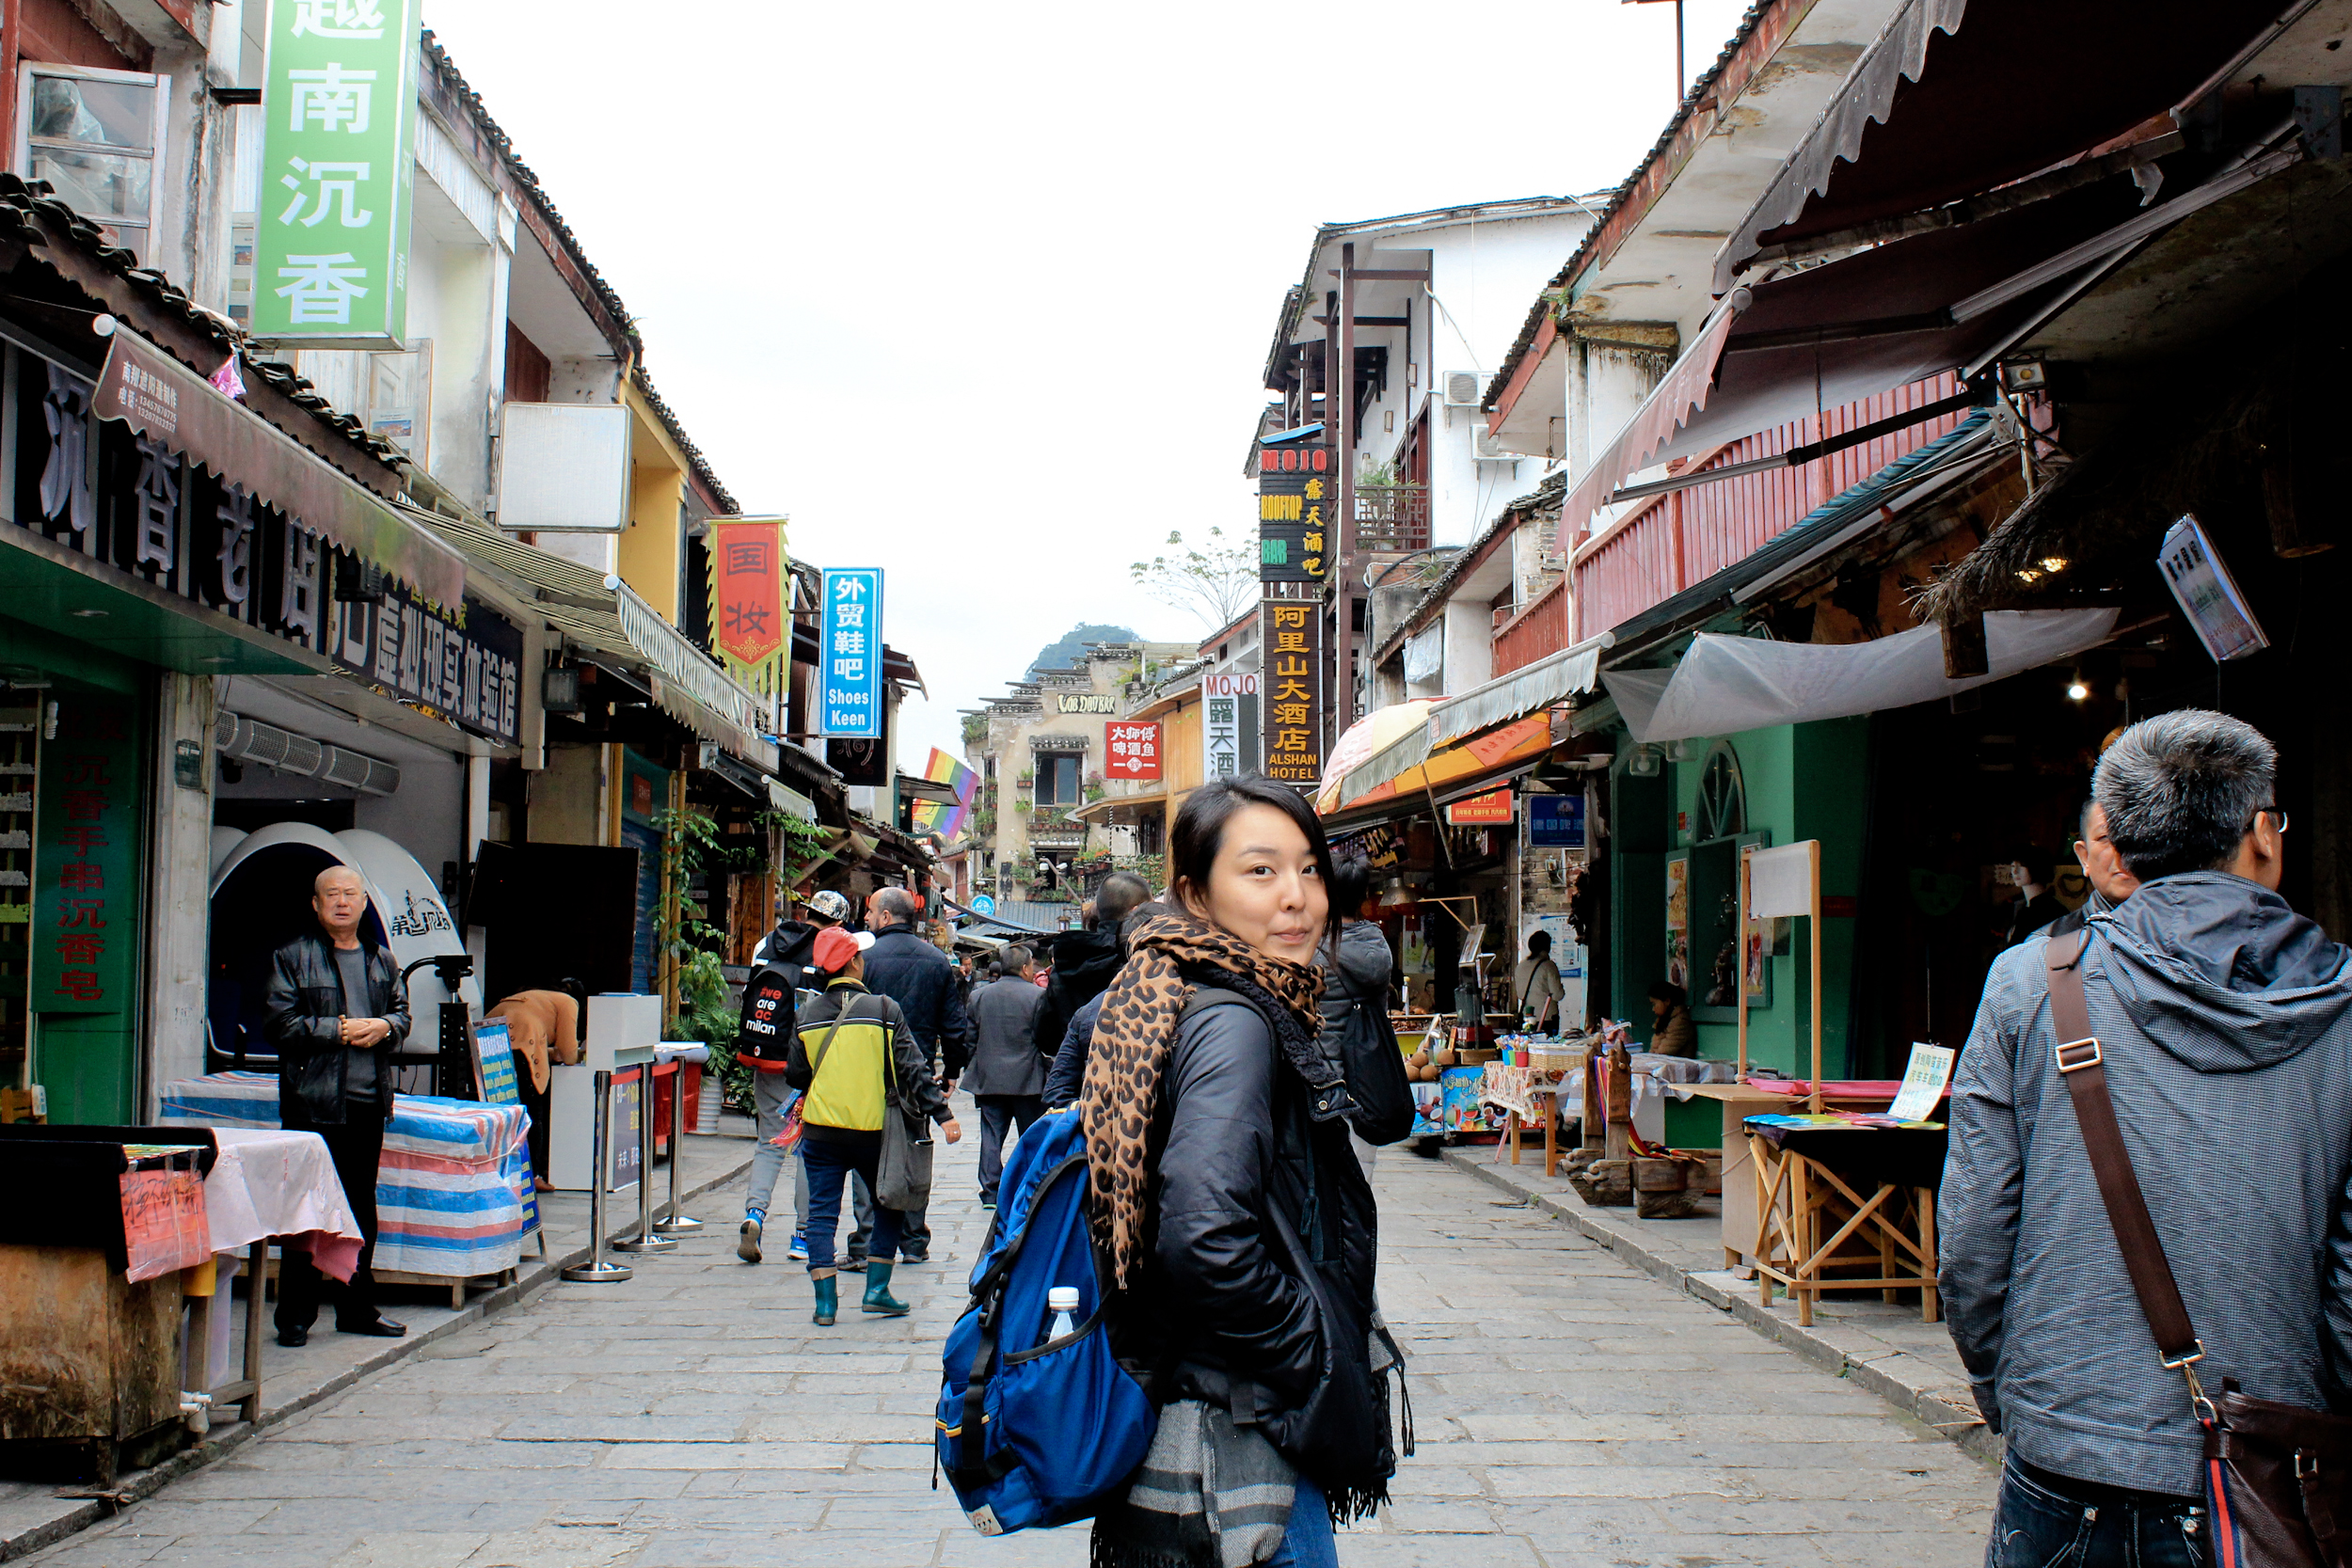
(932, 817)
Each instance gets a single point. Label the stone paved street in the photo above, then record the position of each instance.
(1570, 1410)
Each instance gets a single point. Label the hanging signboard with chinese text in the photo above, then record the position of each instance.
(849, 632)
(750, 580)
(1224, 721)
(2208, 595)
(91, 827)
(1480, 810)
(1295, 498)
(1292, 692)
(1131, 750)
(330, 245)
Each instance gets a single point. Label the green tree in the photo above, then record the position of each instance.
(1216, 581)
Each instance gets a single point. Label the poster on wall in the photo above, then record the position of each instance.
(1679, 920)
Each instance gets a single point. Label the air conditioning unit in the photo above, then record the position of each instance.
(1486, 449)
(357, 772)
(1461, 389)
(242, 739)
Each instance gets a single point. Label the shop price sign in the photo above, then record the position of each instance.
(85, 912)
(1494, 806)
(1295, 494)
(1291, 692)
(339, 155)
(1131, 750)
(849, 632)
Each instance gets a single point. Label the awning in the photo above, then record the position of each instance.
(1375, 732)
(1459, 766)
(690, 688)
(913, 788)
(1553, 678)
(1725, 685)
(162, 399)
(1687, 387)
(1962, 96)
(1122, 810)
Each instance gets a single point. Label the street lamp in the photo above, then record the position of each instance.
(1682, 77)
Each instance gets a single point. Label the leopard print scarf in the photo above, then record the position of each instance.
(1129, 1057)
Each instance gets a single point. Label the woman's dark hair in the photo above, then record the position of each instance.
(1200, 831)
(1351, 884)
(1669, 993)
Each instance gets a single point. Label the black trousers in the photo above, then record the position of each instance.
(536, 1102)
(357, 1150)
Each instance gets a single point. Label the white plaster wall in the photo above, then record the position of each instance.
(181, 851)
(1468, 646)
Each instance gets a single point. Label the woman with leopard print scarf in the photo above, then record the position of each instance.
(1228, 1209)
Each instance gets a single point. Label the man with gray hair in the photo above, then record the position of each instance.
(2224, 1028)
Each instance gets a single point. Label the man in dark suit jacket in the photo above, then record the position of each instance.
(917, 977)
(1008, 1076)
(334, 1013)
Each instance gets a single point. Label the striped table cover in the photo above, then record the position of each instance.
(454, 1195)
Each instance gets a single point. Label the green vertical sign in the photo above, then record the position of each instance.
(331, 248)
(89, 821)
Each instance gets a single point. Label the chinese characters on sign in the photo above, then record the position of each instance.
(330, 251)
(748, 575)
(849, 633)
(1480, 810)
(1222, 722)
(85, 864)
(1292, 690)
(1131, 750)
(1294, 500)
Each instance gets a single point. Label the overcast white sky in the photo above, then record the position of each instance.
(981, 295)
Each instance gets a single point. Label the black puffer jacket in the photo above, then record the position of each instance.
(1357, 1036)
(1085, 964)
(302, 1012)
(1228, 1311)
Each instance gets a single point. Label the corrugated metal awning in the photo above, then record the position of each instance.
(1548, 680)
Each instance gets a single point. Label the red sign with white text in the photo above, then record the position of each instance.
(1493, 806)
(1131, 750)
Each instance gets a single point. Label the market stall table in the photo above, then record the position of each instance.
(454, 1196)
(1815, 1230)
(1756, 1096)
(268, 1184)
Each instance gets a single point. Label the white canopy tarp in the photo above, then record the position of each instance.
(1725, 685)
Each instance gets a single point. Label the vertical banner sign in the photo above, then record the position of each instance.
(1294, 496)
(748, 602)
(850, 629)
(1293, 691)
(1222, 723)
(85, 901)
(1131, 750)
(330, 244)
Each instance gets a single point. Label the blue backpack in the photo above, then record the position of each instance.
(1032, 1430)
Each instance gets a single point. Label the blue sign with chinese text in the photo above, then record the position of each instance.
(1555, 821)
(850, 637)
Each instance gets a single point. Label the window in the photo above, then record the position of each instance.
(93, 135)
(1058, 779)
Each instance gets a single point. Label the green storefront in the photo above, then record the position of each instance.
(1681, 815)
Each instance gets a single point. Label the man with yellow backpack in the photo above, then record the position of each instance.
(852, 1051)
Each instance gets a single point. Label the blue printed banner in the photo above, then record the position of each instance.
(851, 631)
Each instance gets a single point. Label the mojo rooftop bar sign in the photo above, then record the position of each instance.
(1296, 495)
(849, 633)
(330, 243)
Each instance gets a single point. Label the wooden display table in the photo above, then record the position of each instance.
(1742, 1100)
(1816, 1231)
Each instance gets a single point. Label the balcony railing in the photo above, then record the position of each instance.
(1393, 517)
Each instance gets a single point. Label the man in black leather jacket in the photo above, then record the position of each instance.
(334, 1013)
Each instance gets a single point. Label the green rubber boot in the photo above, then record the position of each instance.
(828, 1300)
(878, 1297)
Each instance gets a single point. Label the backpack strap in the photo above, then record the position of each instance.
(2081, 1067)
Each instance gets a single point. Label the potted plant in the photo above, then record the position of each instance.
(1094, 787)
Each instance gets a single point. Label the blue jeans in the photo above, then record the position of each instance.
(2048, 1521)
(830, 1165)
(1309, 1541)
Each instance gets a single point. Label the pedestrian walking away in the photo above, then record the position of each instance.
(2223, 1022)
(855, 1061)
(1216, 1142)
(1356, 1033)
(1086, 961)
(334, 1012)
(786, 971)
(1008, 1076)
(916, 975)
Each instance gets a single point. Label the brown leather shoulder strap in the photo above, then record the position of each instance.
(2081, 1064)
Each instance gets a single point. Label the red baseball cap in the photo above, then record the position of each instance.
(834, 948)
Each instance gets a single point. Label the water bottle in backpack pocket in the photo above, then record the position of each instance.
(1037, 1423)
